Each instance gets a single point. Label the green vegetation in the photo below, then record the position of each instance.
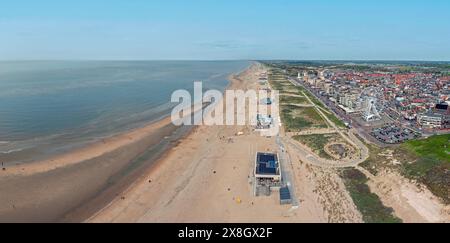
(312, 114)
(335, 120)
(276, 86)
(298, 118)
(293, 123)
(312, 97)
(316, 142)
(375, 160)
(368, 203)
(283, 87)
(317, 102)
(330, 116)
(293, 100)
(428, 161)
(293, 92)
(438, 146)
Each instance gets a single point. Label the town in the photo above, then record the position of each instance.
(388, 102)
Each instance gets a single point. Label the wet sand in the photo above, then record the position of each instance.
(53, 190)
(73, 186)
(206, 178)
(200, 174)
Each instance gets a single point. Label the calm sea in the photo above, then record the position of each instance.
(48, 107)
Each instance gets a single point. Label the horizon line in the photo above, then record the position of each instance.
(211, 60)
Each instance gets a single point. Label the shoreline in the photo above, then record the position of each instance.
(120, 185)
(109, 168)
(141, 178)
(89, 151)
(207, 179)
(48, 147)
(56, 190)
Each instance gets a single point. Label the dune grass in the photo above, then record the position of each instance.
(299, 118)
(428, 161)
(368, 203)
(316, 142)
(293, 100)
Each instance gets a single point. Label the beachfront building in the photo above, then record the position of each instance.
(266, 101)
(267, 167)
(267, 173)
(263, 122)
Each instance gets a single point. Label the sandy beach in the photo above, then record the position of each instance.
(72, 186)
(159, 173)
(232, 112)
(205, 178)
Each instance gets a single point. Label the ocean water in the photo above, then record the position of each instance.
(48, 107)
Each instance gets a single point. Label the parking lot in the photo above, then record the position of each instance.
(393, 134)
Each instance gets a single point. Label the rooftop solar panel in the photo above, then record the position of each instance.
(270, 171)
(266, 157)
(272, 164)
(262, 169)
(267, 164)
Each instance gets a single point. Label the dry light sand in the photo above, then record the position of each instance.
(203, 177)
(161, 173)
(206, 179)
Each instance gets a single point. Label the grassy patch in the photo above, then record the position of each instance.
(296, 92)
(317, 102)
(428, 161)
(316, 142)
(293, 124)
(375, 160)
(298, 118)
(293, 100)
(335, 120)
(313, 99)
(368, 203)
(438, 146)
(276, 86)
(312, 114)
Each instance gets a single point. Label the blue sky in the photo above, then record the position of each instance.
(225, 29)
